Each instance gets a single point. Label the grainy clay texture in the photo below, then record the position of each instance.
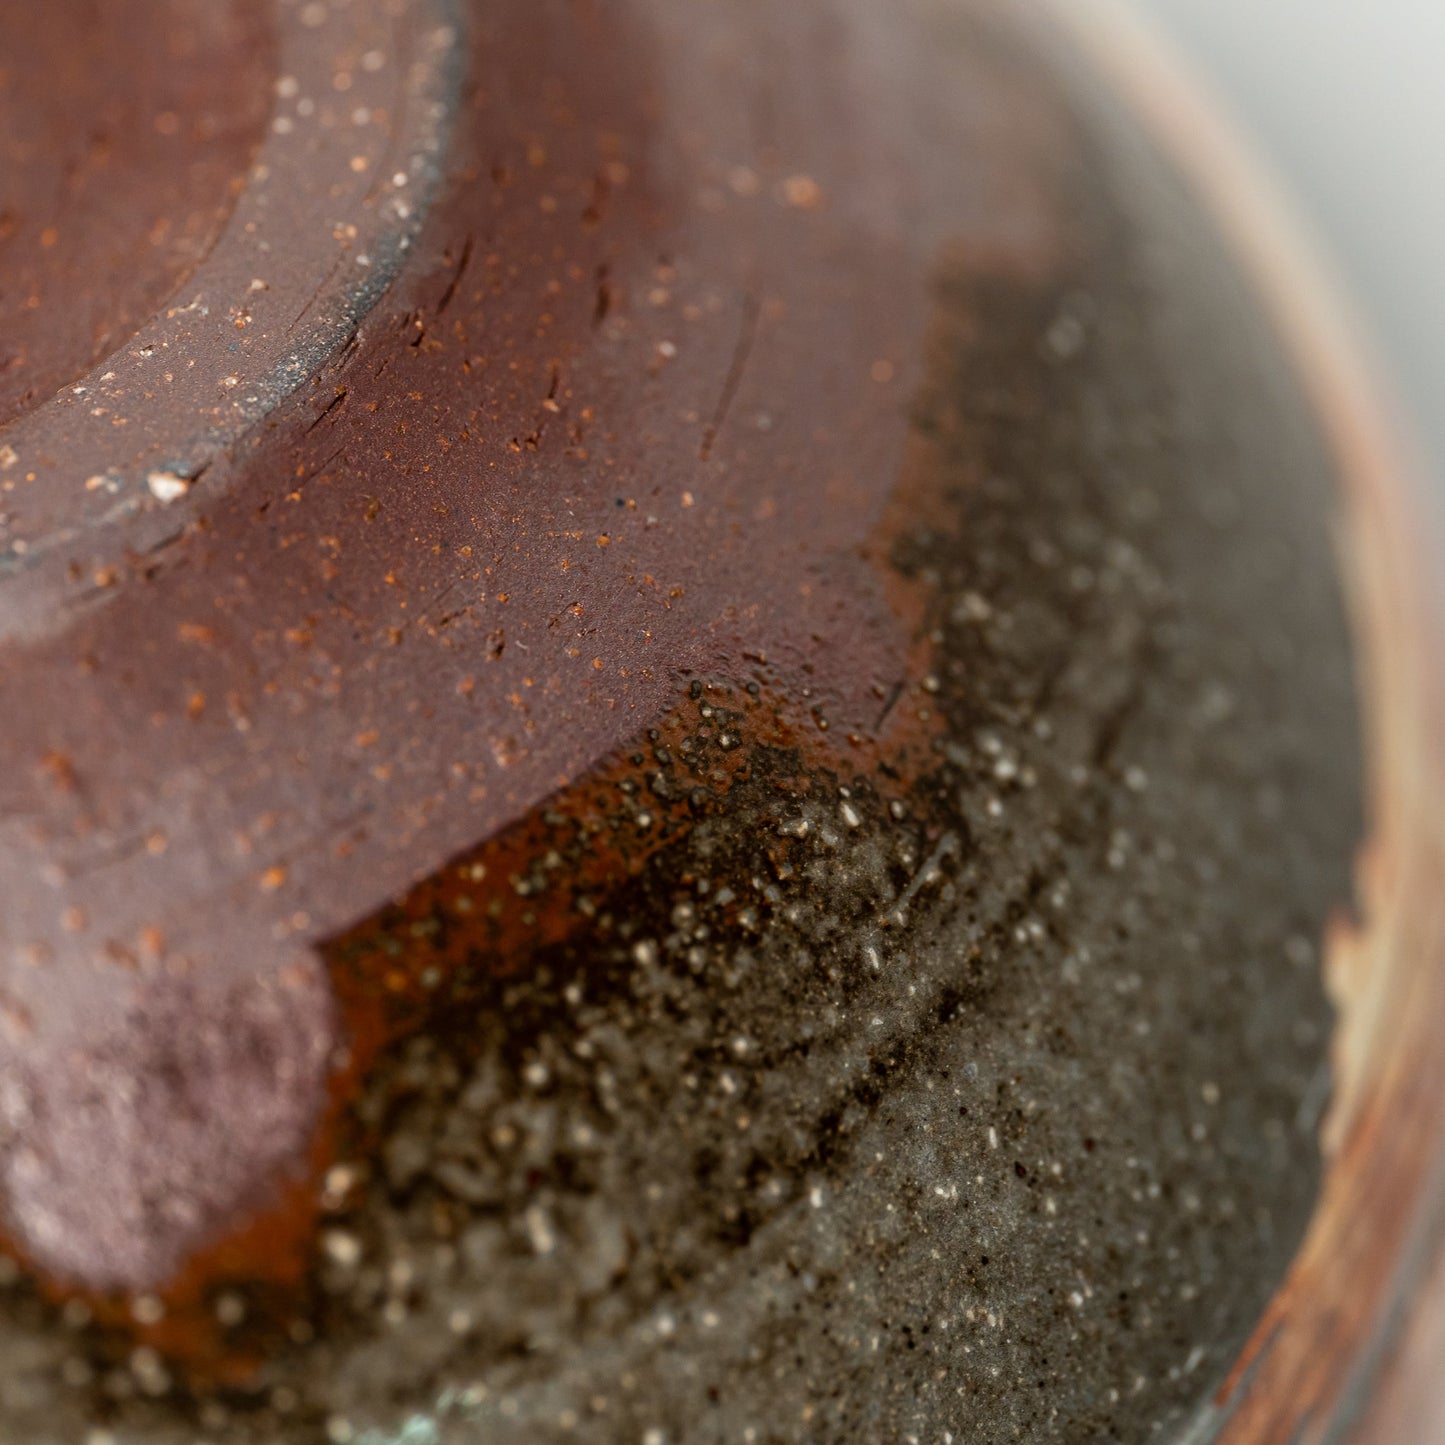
(721, 828)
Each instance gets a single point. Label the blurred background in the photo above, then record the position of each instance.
(1345, 100)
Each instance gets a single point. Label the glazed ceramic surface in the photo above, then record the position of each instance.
(693, 697)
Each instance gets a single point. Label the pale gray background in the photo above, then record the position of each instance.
(1346, 100)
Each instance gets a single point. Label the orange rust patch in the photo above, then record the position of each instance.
(487, 904)
(535, 884)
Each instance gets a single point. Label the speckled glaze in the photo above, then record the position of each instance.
(685, 750)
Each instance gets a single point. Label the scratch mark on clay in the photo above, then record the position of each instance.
(452, 285)
(747, 335)
(326, 411)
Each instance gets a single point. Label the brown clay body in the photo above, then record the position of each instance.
(685, 749)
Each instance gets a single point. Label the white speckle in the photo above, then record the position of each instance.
(815, 1197)
(851, 816)
(992, 1137)
(341, 1248)
(373, 60)
(972, 608)
(149, 1372)
(539, 1230)
(1066, 338)
(399, 179)
(1299, 950)
(9, 456)
(283, 125)
(666, 349)
(168, 486)
(341, 1179)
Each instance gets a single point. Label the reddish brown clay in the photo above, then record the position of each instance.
(683, 745)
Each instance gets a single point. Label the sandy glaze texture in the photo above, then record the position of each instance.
(721, 827)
